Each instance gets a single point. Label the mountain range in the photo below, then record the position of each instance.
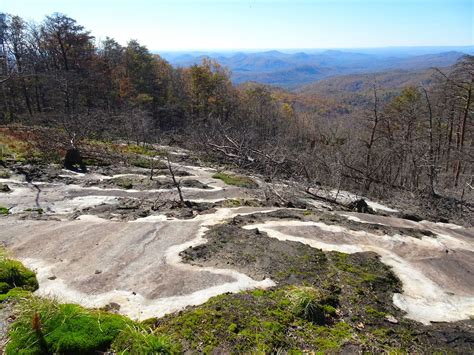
(292, 70)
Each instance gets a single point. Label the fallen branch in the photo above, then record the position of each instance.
(325, 199)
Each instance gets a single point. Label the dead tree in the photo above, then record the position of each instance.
(432, 167)
(371, 142)
(176, 183)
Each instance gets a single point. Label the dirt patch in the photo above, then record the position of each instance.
(129, 209)
(140, 182)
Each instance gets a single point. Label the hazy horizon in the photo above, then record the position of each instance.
(260, 25)
(313, 49)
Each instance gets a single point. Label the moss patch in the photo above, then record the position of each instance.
(253, 321)
(14, 294)
(14, 274)
(45, 326)
(236, 180)
(325, 302)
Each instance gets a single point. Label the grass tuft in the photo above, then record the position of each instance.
(310, 304)
(136, 340)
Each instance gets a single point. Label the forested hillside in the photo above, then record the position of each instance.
(382, 141)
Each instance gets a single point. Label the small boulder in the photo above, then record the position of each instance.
(4, 188)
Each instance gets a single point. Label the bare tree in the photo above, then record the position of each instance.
(176, 183)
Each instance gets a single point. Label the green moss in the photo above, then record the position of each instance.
(237, 180)
(233, 328)
(258, 292)
(4, 287)
(136, 340)
(332, 338)
(232, 203)
(365, 273)
(15, 275)
(373, 312)
(15, 293)
(254, 321)
(62, 328)
(4, 211)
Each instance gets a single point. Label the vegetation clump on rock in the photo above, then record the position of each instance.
(236, 180)
(15, 278)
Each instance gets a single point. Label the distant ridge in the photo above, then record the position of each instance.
(293, 70)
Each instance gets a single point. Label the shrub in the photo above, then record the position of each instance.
(4, 211)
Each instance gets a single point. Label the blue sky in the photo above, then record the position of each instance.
(265, 24)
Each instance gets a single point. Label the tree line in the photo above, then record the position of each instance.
(55, 73)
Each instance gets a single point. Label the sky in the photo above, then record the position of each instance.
(172, 25)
